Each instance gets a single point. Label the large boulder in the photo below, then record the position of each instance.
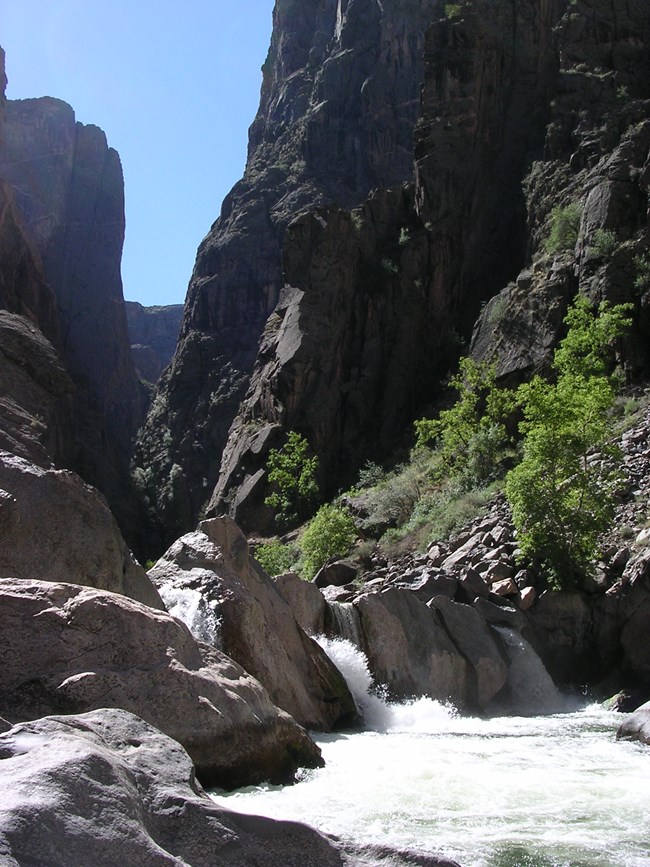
(637, 726)
(307, 603)
(257, 627)
(409, 650)
(57, 528)
(105, 788)
(476, 641)
(71, 649)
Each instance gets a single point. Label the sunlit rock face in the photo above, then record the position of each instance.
(68, 192)
(339, 102)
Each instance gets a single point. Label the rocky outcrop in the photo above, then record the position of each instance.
(68, 191)
(256, 626)
(56, 528)
(57, 771)
(35, 394)
(344, 358)
(595, 157)
(71, 649)
(153, 332)
(338, 105)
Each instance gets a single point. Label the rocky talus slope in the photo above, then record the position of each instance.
(593, 636)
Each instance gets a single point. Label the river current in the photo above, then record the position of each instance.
(542, 791)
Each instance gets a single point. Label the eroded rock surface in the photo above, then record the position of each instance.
(256, 625)
(54, 527)
(71, 649)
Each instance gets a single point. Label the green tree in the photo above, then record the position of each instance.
(471, 435)
(330, 533)
(292, 474)
(565, 225)
(561, 493)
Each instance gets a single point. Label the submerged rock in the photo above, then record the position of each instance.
(70, 649)
(637, 726)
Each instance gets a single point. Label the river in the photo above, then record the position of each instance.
(543, 791)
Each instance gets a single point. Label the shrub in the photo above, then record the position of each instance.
(276, 558)
(292, 473)
(642, 265)
(565, 225)
(330, 533)
(604, 242)
(561, 494)
(471, 434)
(452, 10)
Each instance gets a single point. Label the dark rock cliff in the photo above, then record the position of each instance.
(524, 107)
(595, 157)
(64, 191)
(153, 332)
(339, 101)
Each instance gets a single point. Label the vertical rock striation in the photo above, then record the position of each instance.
(339, 101)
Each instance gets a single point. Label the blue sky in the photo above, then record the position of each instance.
(174, 87)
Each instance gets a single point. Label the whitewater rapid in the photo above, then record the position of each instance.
(543, 791)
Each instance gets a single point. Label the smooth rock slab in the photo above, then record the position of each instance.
(71, 649)
(55, 527)
(105, 789)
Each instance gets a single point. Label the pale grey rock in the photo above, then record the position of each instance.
(57, 528)
(257, 627)
(106, 788)
(67, 648)
(305, 600)
(473, 637)
(408, 649)
(637, 726)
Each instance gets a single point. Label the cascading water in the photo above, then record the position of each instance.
(191, 607)
(546, 791)
(380, 715)
(345, 621)
(530, 687)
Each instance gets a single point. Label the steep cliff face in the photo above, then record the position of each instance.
(68, 191)
(351, 376)
(153, 332)
(596, 161)
(338, 105)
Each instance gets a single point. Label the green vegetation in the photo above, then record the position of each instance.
(604, 242)
(292, 473)
(452, 10)
(642, 265)
(472, 436)
(330, 533)
(404, 237)
(565, 225)
(276, 558)
(561, 493)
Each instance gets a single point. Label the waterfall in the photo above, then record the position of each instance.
(422, 715)
(191, 607)
(530, 688)
(345, 622)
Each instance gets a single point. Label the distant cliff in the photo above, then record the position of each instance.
(62, 231)
(153, 332)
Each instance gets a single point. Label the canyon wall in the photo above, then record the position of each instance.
(339, 101)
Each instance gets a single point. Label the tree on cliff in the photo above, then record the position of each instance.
(561, 493)
(292, 474)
